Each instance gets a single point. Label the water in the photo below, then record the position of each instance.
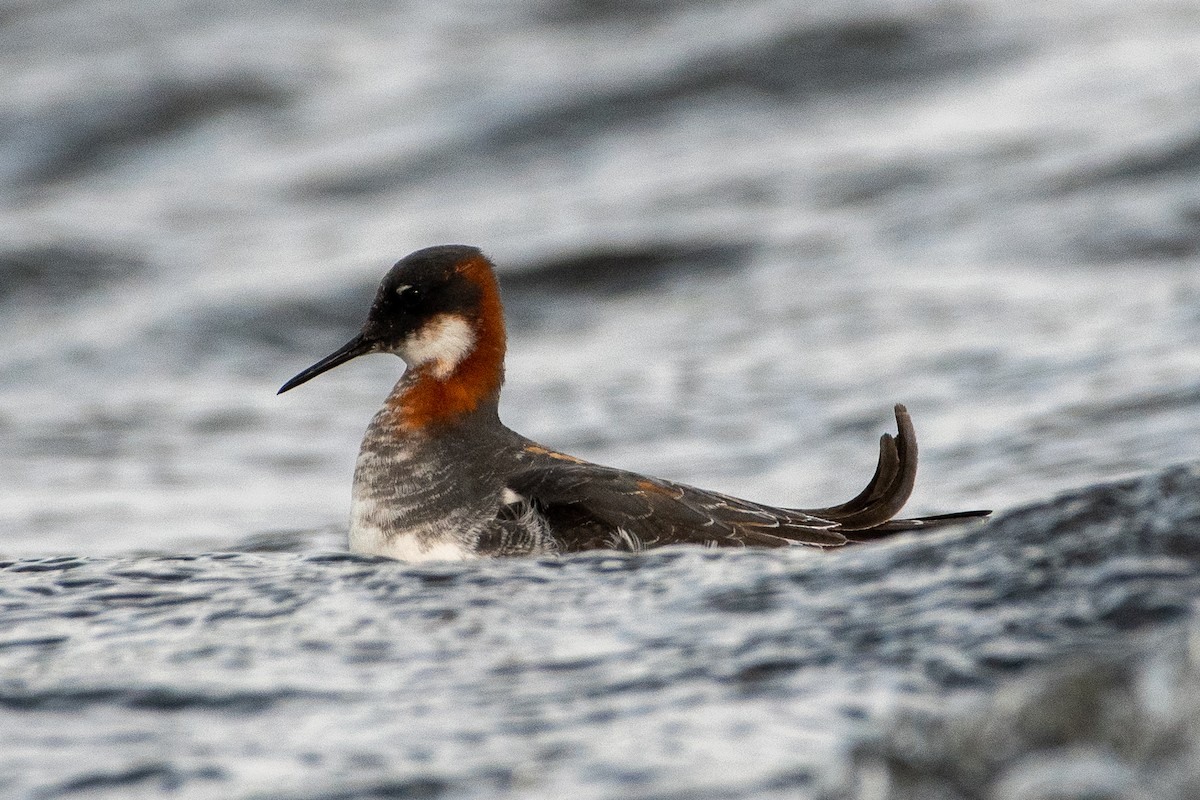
(730, 235)
(680, 672)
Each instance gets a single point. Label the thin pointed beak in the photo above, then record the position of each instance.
(358, 346)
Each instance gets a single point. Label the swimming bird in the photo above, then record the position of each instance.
(440, 477)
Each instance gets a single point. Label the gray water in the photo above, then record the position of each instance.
(674, 673)
(730, 236)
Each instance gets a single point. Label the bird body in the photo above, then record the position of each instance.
(439, 476)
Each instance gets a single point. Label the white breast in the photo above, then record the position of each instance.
(368, 535)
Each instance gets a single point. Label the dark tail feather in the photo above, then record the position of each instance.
(895, 526)
(868, 516)
(889, 489)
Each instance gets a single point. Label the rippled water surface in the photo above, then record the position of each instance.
(682, 672)
(730, 236)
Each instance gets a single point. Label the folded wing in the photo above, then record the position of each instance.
(587, 506)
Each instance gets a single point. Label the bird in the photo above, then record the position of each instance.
(440, 477)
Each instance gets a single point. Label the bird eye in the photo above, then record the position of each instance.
(408, 295)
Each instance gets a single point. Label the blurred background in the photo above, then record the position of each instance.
(731, 235)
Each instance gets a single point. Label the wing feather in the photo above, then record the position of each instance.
(588, 506)
(586, 503)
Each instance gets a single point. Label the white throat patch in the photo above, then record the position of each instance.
(444, 340)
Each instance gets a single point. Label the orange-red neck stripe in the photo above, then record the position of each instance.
(427, 400)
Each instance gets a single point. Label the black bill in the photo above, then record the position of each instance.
(358, 346)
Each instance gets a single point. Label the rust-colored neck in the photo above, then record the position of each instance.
(422, 399)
